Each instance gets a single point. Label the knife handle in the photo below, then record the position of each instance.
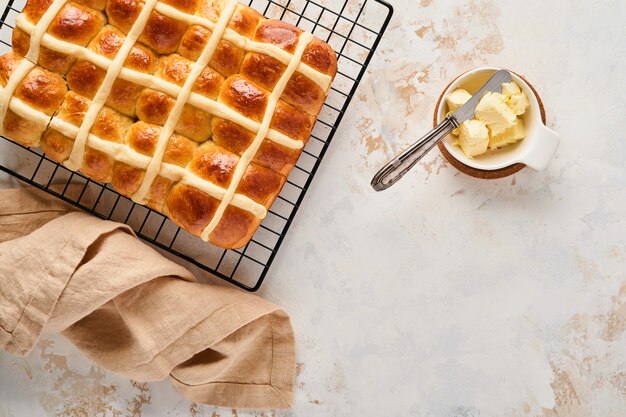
(401, 164)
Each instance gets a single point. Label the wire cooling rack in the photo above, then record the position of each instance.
(352, 27)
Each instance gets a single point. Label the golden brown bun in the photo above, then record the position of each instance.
(123, 13)
(262, 69)
(277, 157)
(23, 131)
(194, 123)
(97, 165)
(111, 125)
(40, 89)
(126, 179)
(162, 33)
(206, 146)
(56, 145)
(235, 229)
(8, 63)
(245, 21)
(245, 97)
(77, 24)
(154, 107)
(142, 137)
(292, 122)
(190, 208)
(321, 56)
(214, 164)
(85, 78)
(179, 150)
(158, 192)
(231, 136)
(281, 34)
(124, 96)
(304, 94)
(34, 9)
(260, 184)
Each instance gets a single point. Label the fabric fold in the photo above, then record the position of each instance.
(134, 312)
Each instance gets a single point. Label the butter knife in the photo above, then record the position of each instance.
(401, 164)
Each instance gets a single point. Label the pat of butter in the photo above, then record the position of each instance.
(513, 134)
(456, 99)
(516, 99)
(473, 138)
(511, 89)
(518, 103)
(493, 110)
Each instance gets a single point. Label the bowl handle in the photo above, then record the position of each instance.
(538, 156)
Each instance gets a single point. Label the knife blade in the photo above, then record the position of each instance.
(494, 85)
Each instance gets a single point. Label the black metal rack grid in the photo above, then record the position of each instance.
(352, 27)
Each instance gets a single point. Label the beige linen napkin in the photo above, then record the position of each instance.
(134, 312)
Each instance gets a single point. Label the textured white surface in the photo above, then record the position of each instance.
(445, 295)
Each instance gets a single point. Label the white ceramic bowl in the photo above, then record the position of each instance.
(535, 150)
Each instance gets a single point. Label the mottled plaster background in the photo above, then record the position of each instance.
(446, 295)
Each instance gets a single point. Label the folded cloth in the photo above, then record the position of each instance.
(132, 311)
